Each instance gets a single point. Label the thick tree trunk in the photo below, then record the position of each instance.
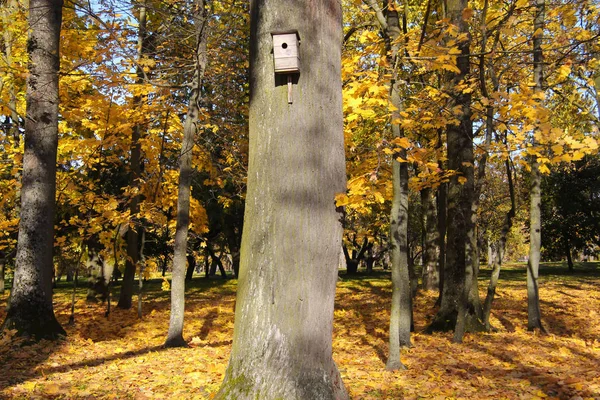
(431, 273)
(456, 310)
(175, 334)
(133, 255)
(292, 232)
(534, 315)
(30, 309)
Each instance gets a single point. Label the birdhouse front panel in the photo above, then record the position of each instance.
(285, 52)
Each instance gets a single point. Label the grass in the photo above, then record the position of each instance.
(122, 356)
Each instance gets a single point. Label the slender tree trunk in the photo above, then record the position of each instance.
(133, 255)
(216, 263)
(234, 249)
(401, 309)
(498, 252)
(30, 309)
(165, 260)
(142, 264)
(400, 314)
(534, 315)
(441, 200)
(568, 254)
(431, 273)
(175, 334)
(191, 261)
(441, 208)
(282, 347)
(2, 273)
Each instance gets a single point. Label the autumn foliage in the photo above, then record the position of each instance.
(122, 356)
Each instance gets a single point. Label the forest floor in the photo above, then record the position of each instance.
(122, 357)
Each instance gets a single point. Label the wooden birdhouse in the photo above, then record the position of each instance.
(285, 52)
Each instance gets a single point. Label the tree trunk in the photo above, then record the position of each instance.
(234, 249)
(191, 261)
(30, 309)
(456, 311)
(441, 230)
(216, 263)
(400, 314)
(282, 344)
(133, 254)
(568, 254)
(534, 317)
(497, 253)
(431, 273)
(2, 273)
(175, 334)
(401, 309)
(142, 264)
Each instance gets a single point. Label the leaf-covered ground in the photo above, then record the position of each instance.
(122, 357)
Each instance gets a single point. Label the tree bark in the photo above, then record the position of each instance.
(292, 232)
(401, 308)
(133, 254)
(191, 261)
(2, 273)
(441, 201)
(456, 310)
(431, 273)
(175, 334)
(568, 254)
(30, 309)
(497, 254)
(534, 317)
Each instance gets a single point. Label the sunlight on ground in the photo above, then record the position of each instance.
(122, 357)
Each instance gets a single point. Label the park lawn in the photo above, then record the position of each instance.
(122, 358)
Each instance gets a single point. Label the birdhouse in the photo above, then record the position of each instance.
(285, 52)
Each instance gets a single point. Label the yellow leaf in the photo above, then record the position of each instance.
(52, 389)
(402, 142)
(557, 149)
(341, 200)
(578, 155)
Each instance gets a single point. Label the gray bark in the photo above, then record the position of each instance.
(441, 205)
(30, 309)
(175, 334)
(456, 310)
(401, 309)
(534, 317)
(133, 255)
(431, 273)
(497, 253)
(282, 347)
